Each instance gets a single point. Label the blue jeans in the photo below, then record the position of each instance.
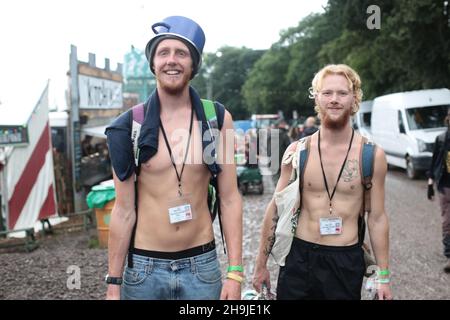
(195, 278)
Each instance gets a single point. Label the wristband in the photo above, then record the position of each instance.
(235, 268)
(384, 281)
(384, 272)
(235, 277)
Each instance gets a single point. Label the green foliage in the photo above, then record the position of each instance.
(223, 75)
(280, 80)
(263, 90)
(411, 51)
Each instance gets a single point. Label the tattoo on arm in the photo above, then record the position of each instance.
(271, 238)
(351, 170)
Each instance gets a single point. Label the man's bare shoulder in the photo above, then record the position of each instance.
(292, 146)
(289, 154)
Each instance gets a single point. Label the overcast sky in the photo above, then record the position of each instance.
(35, 36)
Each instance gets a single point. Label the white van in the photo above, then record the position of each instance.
(362, 119)
(406, 124)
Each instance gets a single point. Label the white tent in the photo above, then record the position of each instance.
(27, 178)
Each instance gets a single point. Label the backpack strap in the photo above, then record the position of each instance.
(366, 162)
(214, 114)
(298, 158)
(137, 120)
(211, 111)
(302, 160)
(366, 168)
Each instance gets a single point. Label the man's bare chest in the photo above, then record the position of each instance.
(178, 150)
(333, 173)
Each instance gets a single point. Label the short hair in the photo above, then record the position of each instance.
(310, 119)
(352, 77)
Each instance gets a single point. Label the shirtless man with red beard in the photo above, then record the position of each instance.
(326, 260)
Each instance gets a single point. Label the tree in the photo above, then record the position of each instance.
(280, 80)
(409, 52)
(263, 89)
(223, 75)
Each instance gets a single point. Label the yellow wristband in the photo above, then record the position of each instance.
(234, 276)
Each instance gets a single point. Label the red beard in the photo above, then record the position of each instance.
(336, 124)
(174, 88)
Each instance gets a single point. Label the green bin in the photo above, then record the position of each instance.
(102, 198)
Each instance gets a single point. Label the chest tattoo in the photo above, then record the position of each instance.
(351, 170)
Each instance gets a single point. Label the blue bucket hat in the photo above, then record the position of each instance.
(180, 28)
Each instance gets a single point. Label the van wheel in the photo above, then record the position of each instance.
(411, 172)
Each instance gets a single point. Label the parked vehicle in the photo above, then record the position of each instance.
(362, 119)
(406, 124)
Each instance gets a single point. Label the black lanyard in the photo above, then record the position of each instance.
(170, 150)
(340, 172)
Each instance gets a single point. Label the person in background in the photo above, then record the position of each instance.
(86, 146)
(439, 173)
(280, 139)
(294, 133)
(309, 128)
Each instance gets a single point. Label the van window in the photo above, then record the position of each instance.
(426, 117)
(401, 125)
(365, 119)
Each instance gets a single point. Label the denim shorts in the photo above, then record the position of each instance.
(194, 278)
